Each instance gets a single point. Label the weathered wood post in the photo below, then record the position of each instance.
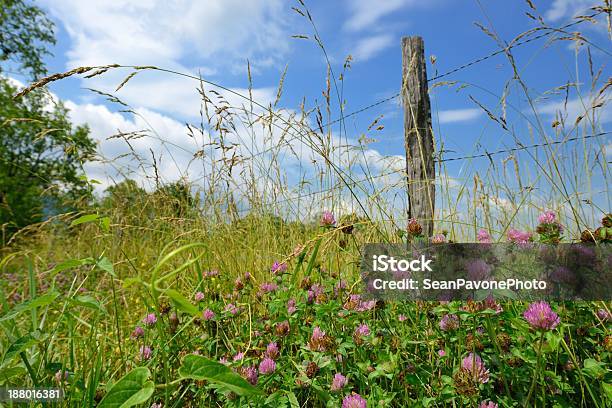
(418, 135)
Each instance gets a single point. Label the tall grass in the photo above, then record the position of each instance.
(246, 212)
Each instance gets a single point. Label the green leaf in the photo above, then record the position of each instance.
(200, 368)
(181, 302)
(593, 368)
(84, 219)
(17, 347)
(88, 301)
(37, 302)
(71, 263)
(293, 400)
(132, 389)
(106, 265)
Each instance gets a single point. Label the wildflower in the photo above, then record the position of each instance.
(238, 356)
(340, 286)
(250, 374)
(547, 217)
(272, 351)
(478, 270)
(362, 330)
(238, 285)
(164, 307)
(483, 237)
(414, 228)
(541, 316)
(247, 276)
(223, 360)
(233, 309)
(518, 237)
(208, 315)
(317, 334)
(473, 365)
(318, 340)
(489, 404)
(145, 353)
(315, 293)
(438, 239)
(150, 319)
(137, 333)
(291, 309)
(338, 382)
(449, 322)
(604, 315)
(268, 287)
(327, 219)
(199, 296)
(282, 328)
(402, 318)
(312, 369)
(490, 303)
(354, 400)
(278, 267)
(365, 305)
(157, 405)
(211, 274)
(441, 353)
(267, 366)
(61, 376)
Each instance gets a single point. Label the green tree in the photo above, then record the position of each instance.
(25, 33)
(41, 152)
(41, 157)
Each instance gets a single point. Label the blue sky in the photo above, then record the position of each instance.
(215, 38)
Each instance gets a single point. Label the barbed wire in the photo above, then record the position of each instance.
(473, 62)
(469, 157)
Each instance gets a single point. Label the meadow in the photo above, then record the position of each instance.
(242, 289)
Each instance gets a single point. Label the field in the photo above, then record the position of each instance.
(242, 289)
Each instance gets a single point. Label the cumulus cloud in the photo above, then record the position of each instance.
(369, 47)
(365, 13)
(561, 9)
(576, 107)
(458, 115)
(216, 32)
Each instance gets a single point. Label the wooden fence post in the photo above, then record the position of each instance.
(420, 167)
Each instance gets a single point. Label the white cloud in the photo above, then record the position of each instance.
(146, 32)
(458, 115)
(368, 47)
(577, 107)
(366, 13)
(208, 37)
(561, 9)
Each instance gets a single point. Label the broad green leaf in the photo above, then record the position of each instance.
(106, 265)
(132, 389)
(200, 368)
(84, 219)
(88, 301)
(26, 306)
(71, 263)
(21, 344)
(104, 224)
(593, 368)
(181, 302)
(293, 400)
